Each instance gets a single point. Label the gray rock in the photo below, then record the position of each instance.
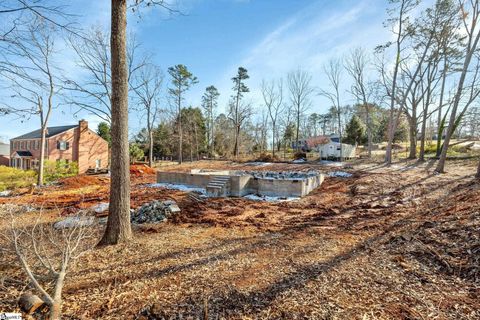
(154, 212)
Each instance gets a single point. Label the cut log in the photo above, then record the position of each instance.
(29, 303)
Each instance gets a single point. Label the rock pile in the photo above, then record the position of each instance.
(286, 175)
(154, 212)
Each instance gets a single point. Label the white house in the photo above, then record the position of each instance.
(331, 150)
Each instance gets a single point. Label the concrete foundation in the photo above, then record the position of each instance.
(241, 183)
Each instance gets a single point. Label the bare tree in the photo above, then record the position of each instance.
(238, 115)
(46, 254)
(469, 73)
(334, 73)
(33, 79)
(399, 22)
(93, 93)
(272, 94)
(357, 66)
(300, 89)
(18, 14)
(149, 80)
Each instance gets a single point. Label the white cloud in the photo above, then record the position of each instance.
(308, 40)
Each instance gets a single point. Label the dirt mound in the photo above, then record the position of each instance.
(141, 169)
(80, 181)
(266, 157)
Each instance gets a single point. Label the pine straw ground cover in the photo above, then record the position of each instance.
(397, 243)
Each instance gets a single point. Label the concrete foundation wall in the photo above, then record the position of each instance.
(188, 179)
(241, 185)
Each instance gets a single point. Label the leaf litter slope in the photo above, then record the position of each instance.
(384, 243)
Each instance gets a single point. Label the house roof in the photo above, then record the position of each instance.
(23, 153)
(315, 141)
(51, 131)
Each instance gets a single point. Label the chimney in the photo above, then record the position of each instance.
(83, 125)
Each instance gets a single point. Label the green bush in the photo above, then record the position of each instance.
(54, 170)
(11, 178)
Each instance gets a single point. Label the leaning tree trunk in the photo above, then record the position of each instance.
(118, 224)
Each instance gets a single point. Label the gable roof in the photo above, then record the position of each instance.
(23, 153)
(315, 141)
(51, 131)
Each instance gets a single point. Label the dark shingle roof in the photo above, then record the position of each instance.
(51, 131)
(23, 153)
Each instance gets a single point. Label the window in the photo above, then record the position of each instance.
(21, 145)
(98, 164)
(63, 145)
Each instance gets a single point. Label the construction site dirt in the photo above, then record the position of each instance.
(372, 242)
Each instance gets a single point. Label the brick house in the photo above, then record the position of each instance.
(4, 154)
(70, 143)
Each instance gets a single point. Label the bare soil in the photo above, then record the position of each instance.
(395, 242)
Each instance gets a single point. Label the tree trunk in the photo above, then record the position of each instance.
(55, 312)
(180, 131)
(413, 137)
(440, 106)
(41, 164)
(340, 134)
(478, 171)
(421, 156)
(297, 145)
(150, 145)
(273, 140)
(369, 129)
(118, 225)
(237, 136)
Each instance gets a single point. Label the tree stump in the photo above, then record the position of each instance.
(29, 303)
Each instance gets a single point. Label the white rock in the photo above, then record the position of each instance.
(71, 222)
(5, 193)
(101, 207)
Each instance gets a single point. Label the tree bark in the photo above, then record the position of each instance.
(180, 131)
(478, 171)
(421, 156)
(369, 129)
(150, 146)
(118, 225)
(413, 137)
(41, 164)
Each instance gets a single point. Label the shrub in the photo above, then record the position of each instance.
(11, 178)
(54, 170)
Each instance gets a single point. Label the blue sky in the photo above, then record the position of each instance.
(214, 37)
